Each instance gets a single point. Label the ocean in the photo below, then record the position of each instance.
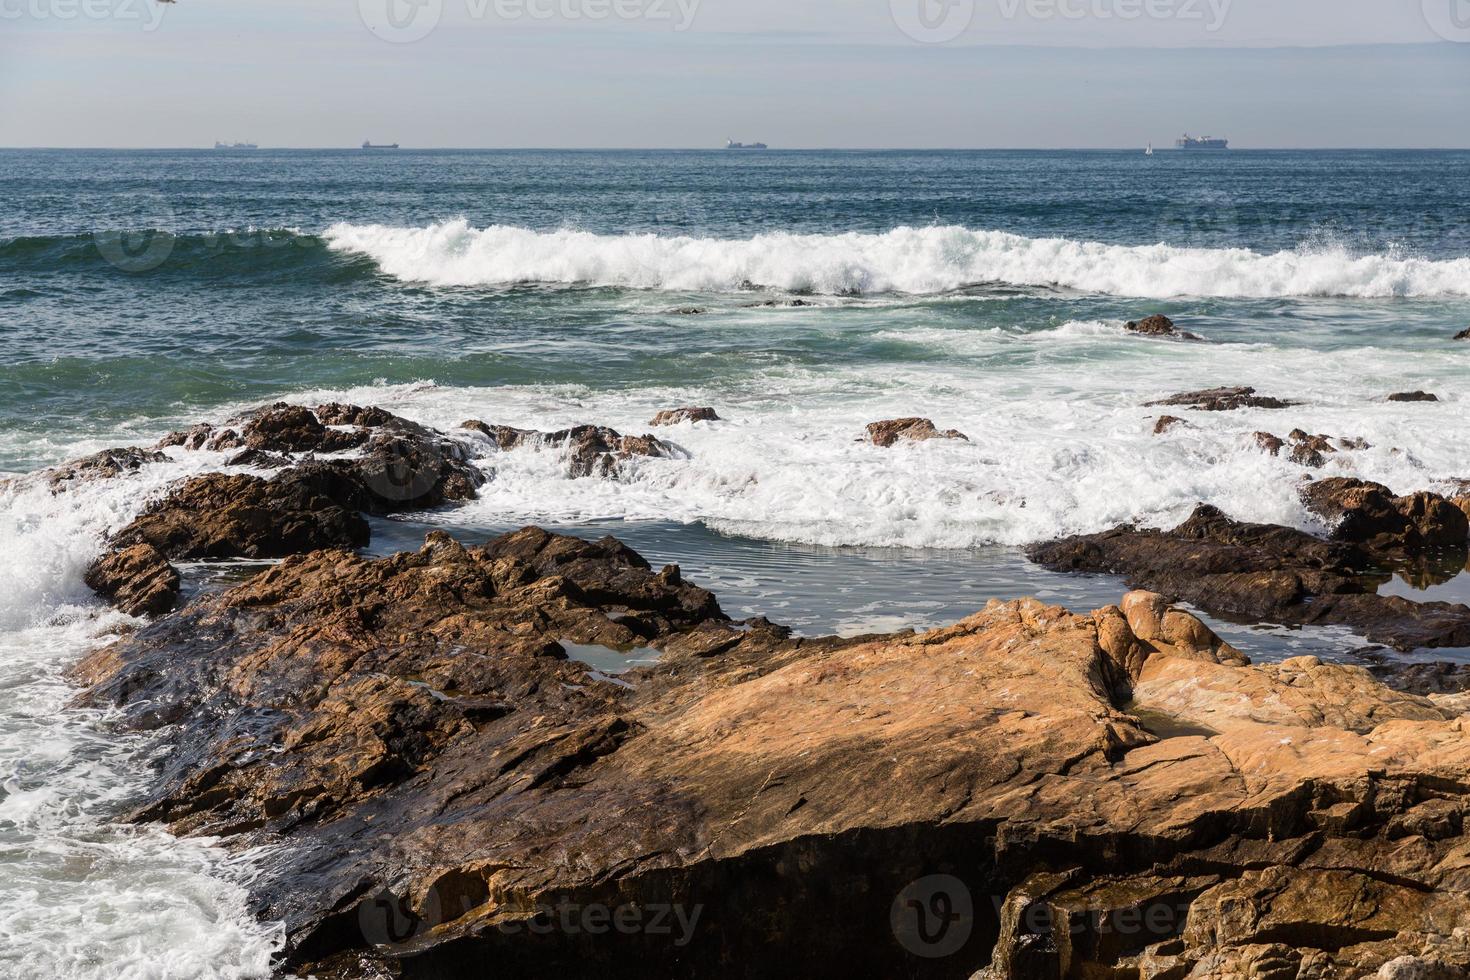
(801, 294)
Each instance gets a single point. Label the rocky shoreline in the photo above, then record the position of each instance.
(538, 755)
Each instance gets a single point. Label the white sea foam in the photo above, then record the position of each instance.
(905, 260)
(82, 897)
(1057, 445)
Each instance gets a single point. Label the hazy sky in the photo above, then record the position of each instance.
(795, 73)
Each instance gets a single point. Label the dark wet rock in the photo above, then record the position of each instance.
(138, 580)
(442, 783)
(1437, 677)
(1463, 334)
(239, 516)
(1354, 443)
(687, 311)
(1158, 325)
(1221, 400)
(398, 465)
(1413, 396)
(590, 450)
(1262, 573)
(1168, 422)
(1307, 449)
(1303, 454)
(224, 440)
(194, 437)
(675, 416)
(1369, 513)
(1310, 450)
(106, 465)
(889, 433)
(770, 303)
(260, 459)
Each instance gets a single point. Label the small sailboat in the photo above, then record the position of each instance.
(1150, 151)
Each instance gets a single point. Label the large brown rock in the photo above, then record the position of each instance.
(239, 516)
(449, 794)
(1263, 573)
(892, 431)
(395, 464)
(138, 580)
(1370, 514)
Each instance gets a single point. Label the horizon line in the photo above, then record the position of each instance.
(1164, 147)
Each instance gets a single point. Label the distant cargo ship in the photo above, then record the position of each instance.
(1188, 142)
(234, 146)
(732, 145)
(370, 145)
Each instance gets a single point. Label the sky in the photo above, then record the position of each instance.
(692, 73)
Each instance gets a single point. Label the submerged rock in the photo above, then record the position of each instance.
(1307, 449)
(1270, 443)
(1158, 325)
(1221, 400)
(106, 465)
(675, 416)
(889, 433)
(1463, 334)
(1266, 573)
(1413, 396)
(590, 450)
(450, 791)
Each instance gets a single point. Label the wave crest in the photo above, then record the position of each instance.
(922, 261)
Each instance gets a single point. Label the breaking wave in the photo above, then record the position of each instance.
(904, 260)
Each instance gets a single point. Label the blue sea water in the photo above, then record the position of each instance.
(801, 294)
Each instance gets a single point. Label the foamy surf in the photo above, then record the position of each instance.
(83, 897)
(907, 260)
